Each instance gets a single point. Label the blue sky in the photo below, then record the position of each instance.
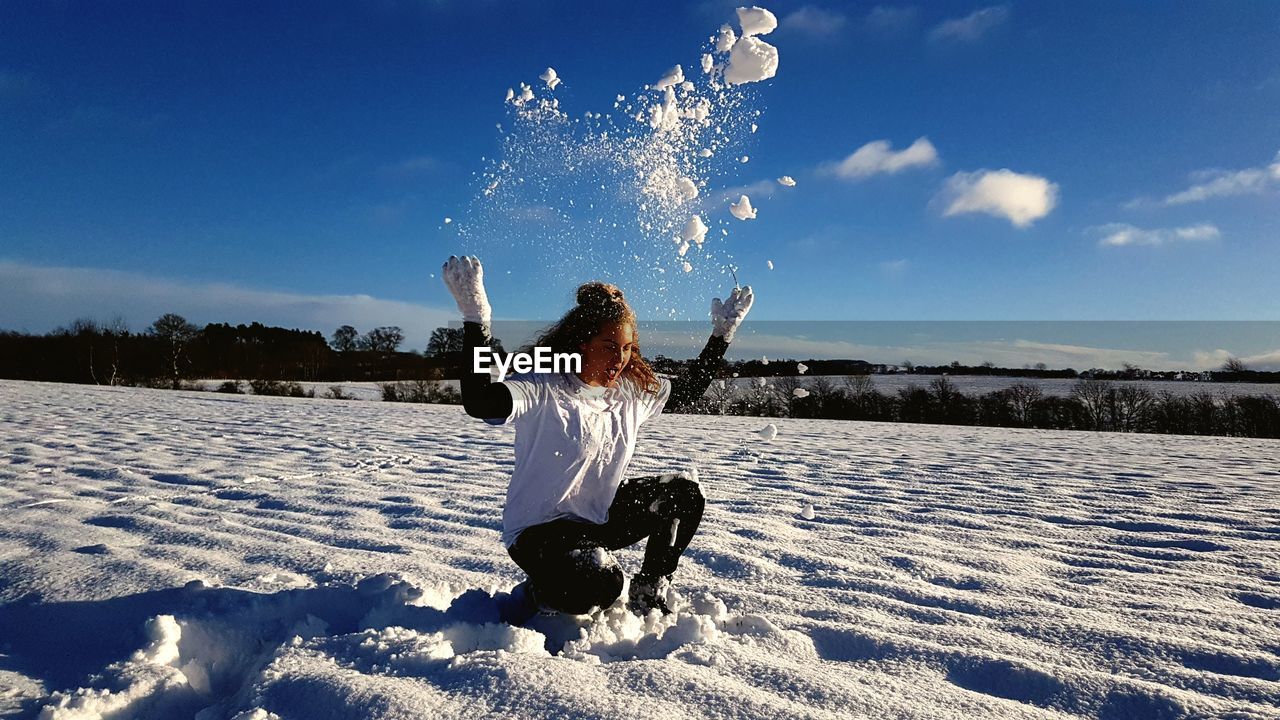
(293, 163)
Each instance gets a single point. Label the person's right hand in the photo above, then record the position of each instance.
(465, 279)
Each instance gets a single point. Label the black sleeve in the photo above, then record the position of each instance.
(481, 398)
(696, 377)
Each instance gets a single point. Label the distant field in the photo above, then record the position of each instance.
(888, 384)
(980, 385)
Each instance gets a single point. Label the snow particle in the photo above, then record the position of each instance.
(787, 181)
(694, 231)
(674, 76)
(770, 263)
(742, 209)
(726, 39)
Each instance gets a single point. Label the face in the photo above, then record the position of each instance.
(606, 355)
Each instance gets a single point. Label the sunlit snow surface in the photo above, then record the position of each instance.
(946, 573)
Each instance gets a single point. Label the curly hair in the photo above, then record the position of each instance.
(598, 304)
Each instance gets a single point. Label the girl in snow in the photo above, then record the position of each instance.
(568, 504)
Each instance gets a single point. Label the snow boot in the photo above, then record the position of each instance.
(648, 592)
(517, 606)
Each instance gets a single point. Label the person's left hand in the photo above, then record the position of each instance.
(726, 316)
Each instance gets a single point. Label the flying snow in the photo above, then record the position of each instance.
(742, 209)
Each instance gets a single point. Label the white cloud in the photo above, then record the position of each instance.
(891, 19)
(1004, 353)
(971, 27)
(1215, 359)
(411, 166)
(878, 157)
(760, 188)
(1226, 183)
(894, 268)
(1119, 234)
(38, 299)
(814, 21)
(1021, 199)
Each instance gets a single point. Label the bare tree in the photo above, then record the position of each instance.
(822, 390)
(1022, 398)
(720, 395)
(345, 338)
(859, 387)
(1094, 396)
(786, 387)
(382, 339)
(1234, 365)
(444, 340)
(1133, 407)
(177, 334)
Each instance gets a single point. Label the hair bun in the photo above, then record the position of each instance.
(596, 294)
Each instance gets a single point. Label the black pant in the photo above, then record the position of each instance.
(569, 563)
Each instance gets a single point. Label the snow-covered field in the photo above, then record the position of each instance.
(172, 555)
(1053, 387)
(888, 384)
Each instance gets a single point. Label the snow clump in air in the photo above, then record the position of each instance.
(750, 58)
(787, 181)
(695, 230)
(742, 209)
(807, 512)
(770, 263)
(674, 76)
(800, 393)
(802, 368)
(756, 21)
(768, 432)
(725, 39)
(563, 183)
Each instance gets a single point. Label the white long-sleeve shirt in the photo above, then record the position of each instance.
(573, 444)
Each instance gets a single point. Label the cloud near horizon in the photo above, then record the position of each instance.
(878, 157)
(1020, 199)
(971, 27)
(41, 298)
(1120, 234)
(1004, 353)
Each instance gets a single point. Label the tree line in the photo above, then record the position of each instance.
(173, 350)
(1093, 404)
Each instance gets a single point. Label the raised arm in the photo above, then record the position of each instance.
(694, 379)
(481, 398)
